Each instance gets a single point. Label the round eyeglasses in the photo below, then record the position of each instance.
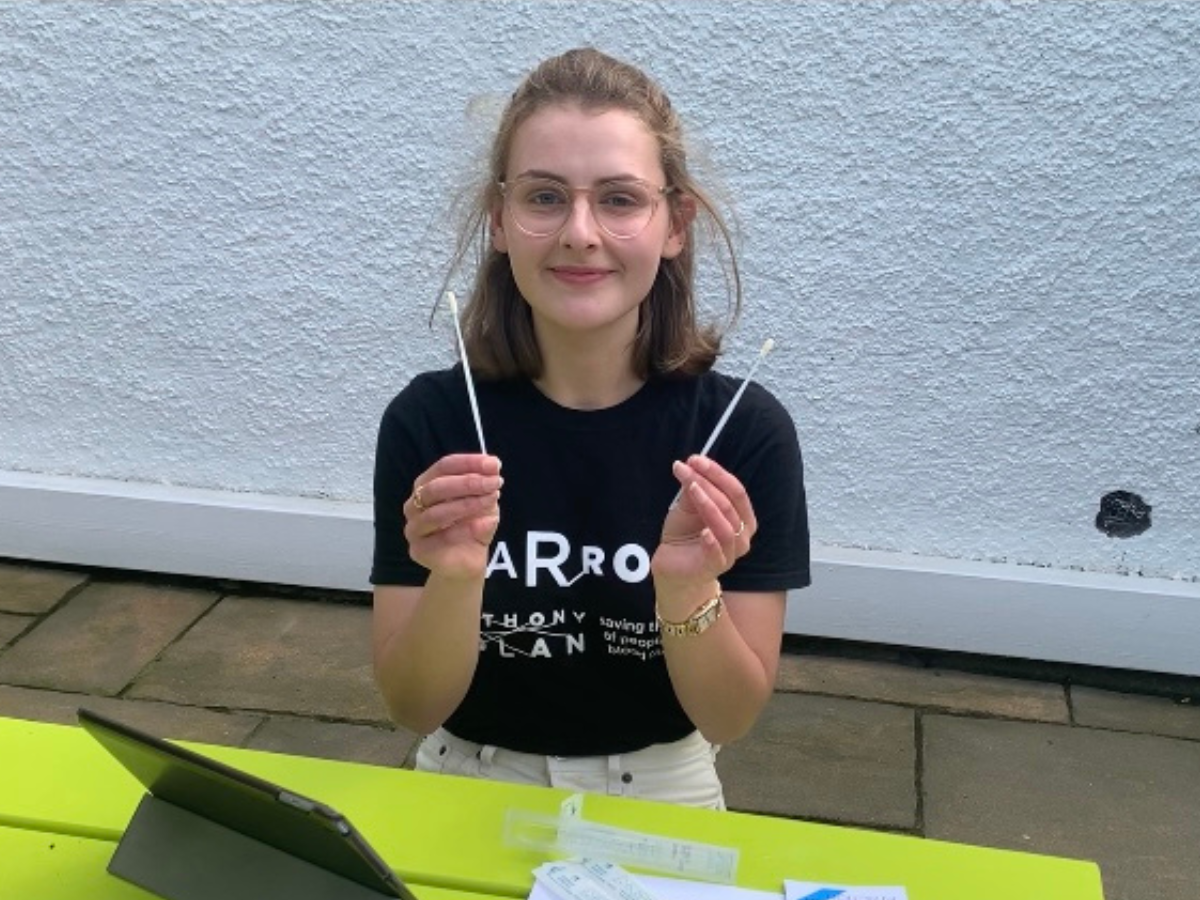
(540, 206)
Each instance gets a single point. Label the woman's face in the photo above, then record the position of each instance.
(581, 280)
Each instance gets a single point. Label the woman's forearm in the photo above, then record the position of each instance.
(426, 647)
(724, 676)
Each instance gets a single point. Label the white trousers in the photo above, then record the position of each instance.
(681, 772)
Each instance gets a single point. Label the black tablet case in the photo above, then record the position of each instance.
(207, 830)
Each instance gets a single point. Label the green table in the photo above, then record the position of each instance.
(444, 831)
(49, 866)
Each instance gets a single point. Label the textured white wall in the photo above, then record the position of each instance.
(972, 229)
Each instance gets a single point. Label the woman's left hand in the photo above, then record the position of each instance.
(708, 530)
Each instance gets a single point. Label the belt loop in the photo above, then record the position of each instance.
(616, 784)
(486, 752)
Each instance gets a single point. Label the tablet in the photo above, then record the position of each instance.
(253, 807)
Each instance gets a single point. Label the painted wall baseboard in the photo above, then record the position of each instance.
(862, 595)
(185, 531)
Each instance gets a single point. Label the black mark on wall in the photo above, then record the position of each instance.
(1123, 514)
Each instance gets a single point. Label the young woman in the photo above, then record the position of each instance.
(618, 612)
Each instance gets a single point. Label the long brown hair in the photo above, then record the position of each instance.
(497, 323)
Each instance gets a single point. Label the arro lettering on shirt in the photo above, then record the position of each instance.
(550, 553)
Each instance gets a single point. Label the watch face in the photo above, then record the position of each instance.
(704, 620)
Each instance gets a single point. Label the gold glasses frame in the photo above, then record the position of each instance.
(657, 192)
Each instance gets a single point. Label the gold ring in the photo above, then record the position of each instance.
(741, 528)
(416, 498)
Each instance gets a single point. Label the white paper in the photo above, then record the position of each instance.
(591, 879)
(679, 889)
(819, 890)
(675, 889)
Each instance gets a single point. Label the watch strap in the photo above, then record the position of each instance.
(698, 622)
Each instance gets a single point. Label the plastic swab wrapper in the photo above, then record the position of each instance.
(573, 836)
(462, 355)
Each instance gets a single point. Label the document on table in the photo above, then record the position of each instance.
(592, 880)
(817, 890)
(677, 889)
(588, 879)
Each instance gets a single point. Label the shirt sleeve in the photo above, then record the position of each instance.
(398, 461)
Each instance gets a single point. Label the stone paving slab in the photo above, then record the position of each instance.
(34, 590)
(828, 758)
(162, 719)
(1126, 801)
(911, 686)
(836, 743)
(11, 626)
(1095, 708)
(102, 637)
(262, 653)
(334, 740)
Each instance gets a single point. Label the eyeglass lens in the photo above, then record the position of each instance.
(541, 207)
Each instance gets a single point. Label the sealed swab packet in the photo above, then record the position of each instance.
(570, 834)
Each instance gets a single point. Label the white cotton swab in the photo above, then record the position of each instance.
(767, 347)
(462, 355)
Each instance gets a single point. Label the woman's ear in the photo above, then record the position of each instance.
(683, 213)
(496, 227)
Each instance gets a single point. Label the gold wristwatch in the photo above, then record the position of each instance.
(697, 623)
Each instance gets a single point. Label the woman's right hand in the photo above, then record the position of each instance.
(452, 515)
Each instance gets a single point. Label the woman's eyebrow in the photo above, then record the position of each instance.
(539, 173)
(552, 176)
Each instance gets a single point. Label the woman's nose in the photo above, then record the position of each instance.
(581, 228)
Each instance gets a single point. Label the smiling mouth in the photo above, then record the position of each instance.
(570, 273)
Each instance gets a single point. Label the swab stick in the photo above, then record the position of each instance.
(462, 354)
(767, 347)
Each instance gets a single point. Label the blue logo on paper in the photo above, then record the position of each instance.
(823, 894)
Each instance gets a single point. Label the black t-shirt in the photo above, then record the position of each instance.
(570, 659)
